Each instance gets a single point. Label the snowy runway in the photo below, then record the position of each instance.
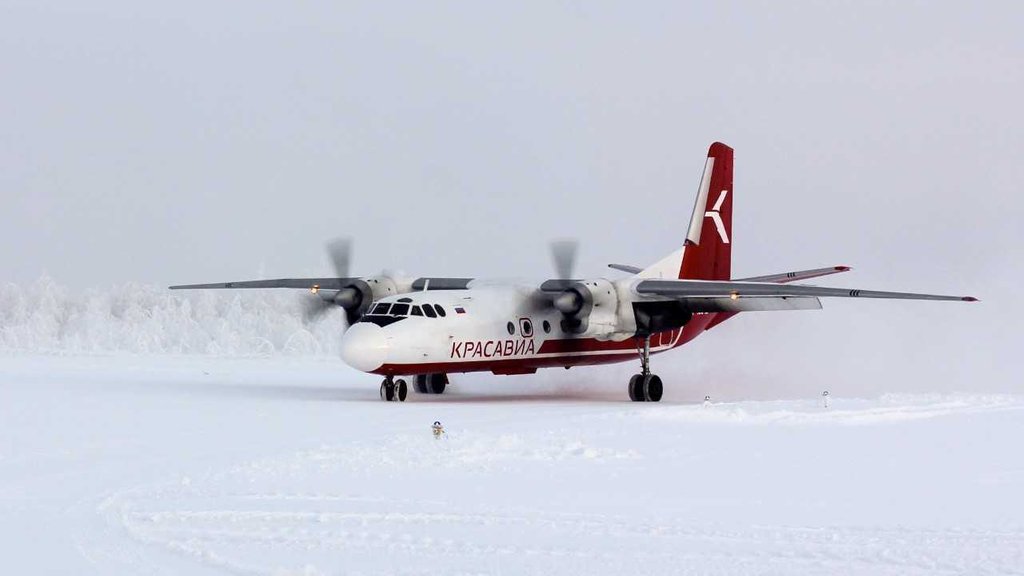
(161, 465)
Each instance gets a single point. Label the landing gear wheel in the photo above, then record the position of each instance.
(636, 393)
(387, 390)
(402, 390)
(430, 383)
(645, 387)
(652, 388)
(437, 383)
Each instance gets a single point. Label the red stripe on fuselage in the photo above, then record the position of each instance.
(564, 352)
(586, 345)
(503, 366)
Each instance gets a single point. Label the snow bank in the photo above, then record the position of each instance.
(45, 317)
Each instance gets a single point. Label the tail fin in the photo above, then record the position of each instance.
(707, 252)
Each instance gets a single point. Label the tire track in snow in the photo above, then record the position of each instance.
(571, 538)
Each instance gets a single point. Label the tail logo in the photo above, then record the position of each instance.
(716, 216)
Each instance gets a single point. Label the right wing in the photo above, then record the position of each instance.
(736, 290)
(776, 278)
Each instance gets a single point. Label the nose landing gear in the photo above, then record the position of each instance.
(393, 390)
(645, 387)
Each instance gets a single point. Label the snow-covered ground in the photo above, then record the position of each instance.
(194, 465)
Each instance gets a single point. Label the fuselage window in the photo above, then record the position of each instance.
(547, 327)
(399, 309)
(440, 311)
(429, 311)
(416, 311)
(381, 308)
(526, 327)
(511, 328)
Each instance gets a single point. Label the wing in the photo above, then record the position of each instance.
(304, 283)
(736, 290)
(782, 278)
(787, 277)
(326, 284)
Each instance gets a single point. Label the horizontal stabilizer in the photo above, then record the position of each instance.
(785, 277)
(626, 268)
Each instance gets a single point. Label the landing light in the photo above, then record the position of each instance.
(315, 288)
(735, 296)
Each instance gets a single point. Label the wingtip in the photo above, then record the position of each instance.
(970, 299)
(843, 268)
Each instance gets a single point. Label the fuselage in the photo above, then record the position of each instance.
(499, 329)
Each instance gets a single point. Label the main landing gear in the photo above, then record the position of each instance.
(397, 390)
(430, 383)
(393, 390)
(645, 387)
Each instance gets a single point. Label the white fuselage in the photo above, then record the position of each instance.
(505, 329)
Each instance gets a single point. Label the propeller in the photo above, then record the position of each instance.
(568, 302)
(314, 307)
(563, 255)
(560, 294)
(339, 252)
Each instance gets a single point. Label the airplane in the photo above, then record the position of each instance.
(427, 328)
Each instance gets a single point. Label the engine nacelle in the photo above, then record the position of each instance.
(357, 297)
(589, 308)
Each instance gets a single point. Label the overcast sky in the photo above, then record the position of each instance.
(206, 141)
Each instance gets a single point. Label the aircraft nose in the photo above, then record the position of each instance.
(364, 346)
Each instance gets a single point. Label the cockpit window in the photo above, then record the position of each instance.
(381, 321)
(400, 309)
(416, 311)
(429, 311)
(381, 308)
(440, 311)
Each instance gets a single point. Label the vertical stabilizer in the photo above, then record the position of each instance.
(707, 250)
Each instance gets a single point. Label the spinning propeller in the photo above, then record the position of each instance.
(339, 252)
(563, 254)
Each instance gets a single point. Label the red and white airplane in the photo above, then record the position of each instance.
(427, 328)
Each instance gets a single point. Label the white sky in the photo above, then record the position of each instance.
(201, 141)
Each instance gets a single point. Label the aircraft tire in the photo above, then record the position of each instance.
(401, 390)
(437, 383)
(387, 391)
(652, 388)
(636, 393)
(420, 384)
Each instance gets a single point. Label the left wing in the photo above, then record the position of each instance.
(315, 284)
(304, 283)
(739, 290)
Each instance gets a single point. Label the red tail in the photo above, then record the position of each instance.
(708, 251)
